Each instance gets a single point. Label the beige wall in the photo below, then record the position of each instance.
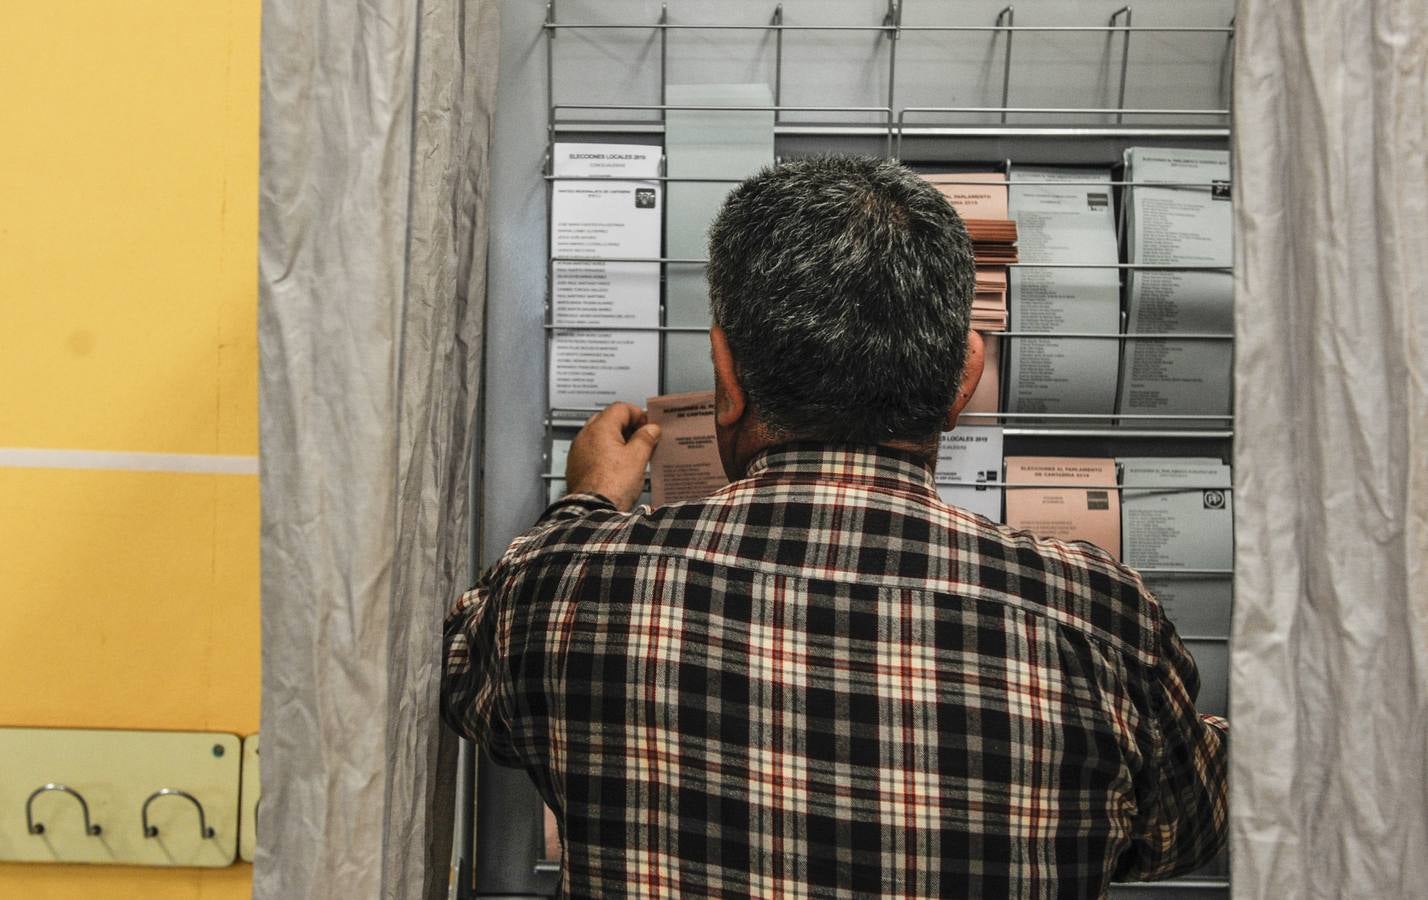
(128, 294)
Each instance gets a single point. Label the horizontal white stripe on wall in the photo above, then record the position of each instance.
(106, 460)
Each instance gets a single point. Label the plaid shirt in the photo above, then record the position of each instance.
(823, 680)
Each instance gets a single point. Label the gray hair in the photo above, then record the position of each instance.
(844, 286)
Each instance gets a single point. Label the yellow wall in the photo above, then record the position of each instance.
(128, 270)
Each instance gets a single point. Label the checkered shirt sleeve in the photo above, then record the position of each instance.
(822, 681)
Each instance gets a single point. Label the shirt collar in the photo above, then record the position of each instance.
(843, 462)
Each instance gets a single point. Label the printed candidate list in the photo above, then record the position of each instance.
(615, 218)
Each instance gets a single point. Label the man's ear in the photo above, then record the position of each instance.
(971, 374)
(730, 400)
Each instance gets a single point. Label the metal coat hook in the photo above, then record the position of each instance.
(204, 829)
(1008, 14)
(777, 20)
(1125, 58)
(663, 59)
(39, 827)
(1226, 64)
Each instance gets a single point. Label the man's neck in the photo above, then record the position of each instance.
(926, 451)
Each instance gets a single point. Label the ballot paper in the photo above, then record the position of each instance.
(1178, 226)
(1061, 510)
(969, 456)
(550, 834)
(975, 195)
(1061, 224)
(615, 218)
(981, 198)
(704, 143)
(985, 402)
(1186, 522)
(685, 464)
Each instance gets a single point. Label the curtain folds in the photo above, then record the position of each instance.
(375, 133)
(1329, 675)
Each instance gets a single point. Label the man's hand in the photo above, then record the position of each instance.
(609, 455)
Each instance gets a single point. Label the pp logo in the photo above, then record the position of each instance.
(1214, 499)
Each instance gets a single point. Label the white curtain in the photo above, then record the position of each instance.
(1329, 675)
(375, 131)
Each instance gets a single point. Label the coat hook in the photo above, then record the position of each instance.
(39, 827)
(153, 831)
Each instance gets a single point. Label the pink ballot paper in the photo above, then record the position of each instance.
(685, 465)
(1062, 510)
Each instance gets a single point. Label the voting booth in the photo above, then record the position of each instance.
(1102, 132)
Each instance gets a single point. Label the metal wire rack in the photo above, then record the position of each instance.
(894, 127)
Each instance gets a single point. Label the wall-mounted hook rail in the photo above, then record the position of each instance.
(151, 831)
(903, 127)
(884, 130)
(1062, 110)
(727, 26)
(1088, 29)
(886, 27)
(90, 828)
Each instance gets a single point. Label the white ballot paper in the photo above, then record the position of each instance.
(1060, 224)
(1061, 509)
(1186, 522)
(1178, 226)
(619, 218)
(968, 456)
(685, 465)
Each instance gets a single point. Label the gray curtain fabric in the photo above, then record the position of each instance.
(1329, 673)
(375, 132)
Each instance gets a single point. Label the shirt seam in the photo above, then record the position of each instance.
(541, 554)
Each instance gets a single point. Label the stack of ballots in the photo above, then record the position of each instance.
(981, 200)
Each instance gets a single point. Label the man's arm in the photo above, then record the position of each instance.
(1183, 819)
(605, 470)
(474, 700)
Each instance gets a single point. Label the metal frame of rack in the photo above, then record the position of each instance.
(894, 127)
